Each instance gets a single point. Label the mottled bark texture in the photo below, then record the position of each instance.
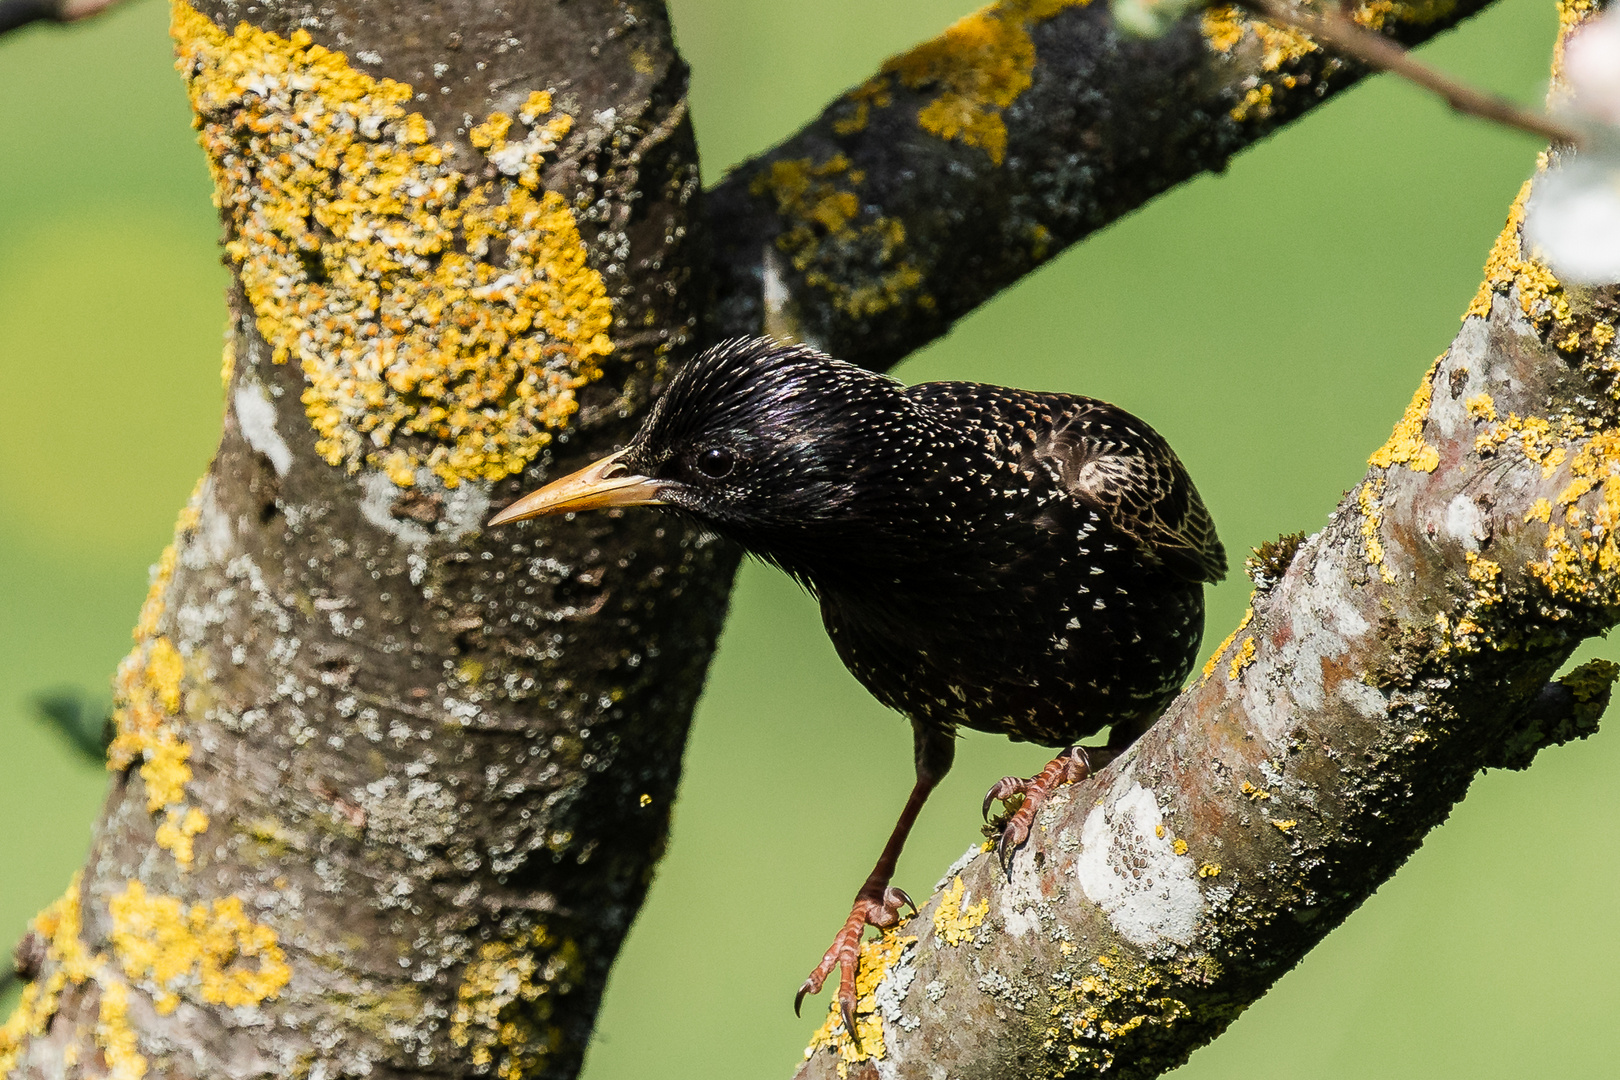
(389, 786)
(971, 160)
(1383, 664)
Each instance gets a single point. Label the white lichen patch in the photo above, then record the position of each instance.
(1129, 868)
(256, 416)
(1465, 523)
(1286, 678)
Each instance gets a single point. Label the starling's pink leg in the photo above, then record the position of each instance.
(878, 903)
(1070, 767)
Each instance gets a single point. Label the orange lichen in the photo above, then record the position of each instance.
(505, 1001)
(954, 924)
(440, 323)
(212, 951)
(1405, 445)
(877, 957)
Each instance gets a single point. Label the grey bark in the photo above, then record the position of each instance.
(437, 762)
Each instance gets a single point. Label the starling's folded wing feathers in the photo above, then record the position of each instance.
(1107, 459)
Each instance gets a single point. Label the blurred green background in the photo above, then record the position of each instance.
(1272, 322)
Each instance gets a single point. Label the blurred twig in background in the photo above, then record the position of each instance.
(85, 722)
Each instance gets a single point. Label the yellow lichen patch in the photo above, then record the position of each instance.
(69, 963)
(954, 924)
(1220, 650)
(1571, 13)
(1375, 14)
(1254, 794)
(1540, 440)
(176, 833)
(827, 241)
(213, 951)
(977, 67)
(1244, 657)
(871, 94)
(505, 1002)
(1372, 516)
(116, 1037)
(147, 698)
(439, 322)
(1179, 847)
(1541, 297)
(1541, 511)
(1481, 407)
(1583, 561)
(1209, 870)
(1225, 27)
(877, 957)
(1284, 826)
(1406, 445)
(1256, 103)
(1094, 1011)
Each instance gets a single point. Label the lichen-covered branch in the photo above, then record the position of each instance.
(969, 161)
(388, 787)
(1384, 662)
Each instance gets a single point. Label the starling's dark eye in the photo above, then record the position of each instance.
(716, 462)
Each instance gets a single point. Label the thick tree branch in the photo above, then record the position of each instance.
(1342, 34)
(1401, 650)
(388, 786)
(971, 160)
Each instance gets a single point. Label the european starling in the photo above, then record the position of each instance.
(1015, 562)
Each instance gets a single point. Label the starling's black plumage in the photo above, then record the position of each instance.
(1014, 562)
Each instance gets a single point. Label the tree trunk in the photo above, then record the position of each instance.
(390, 786)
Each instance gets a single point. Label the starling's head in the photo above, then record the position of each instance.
(762, 441)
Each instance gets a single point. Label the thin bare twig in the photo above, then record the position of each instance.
(15, 14)
(1374, 49)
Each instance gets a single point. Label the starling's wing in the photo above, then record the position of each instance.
(1110, 461)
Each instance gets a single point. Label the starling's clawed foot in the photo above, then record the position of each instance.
(1070, 767)
(877, 906)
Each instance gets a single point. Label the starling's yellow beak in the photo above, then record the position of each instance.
(598, 485)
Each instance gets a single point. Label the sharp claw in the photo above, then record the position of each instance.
(989, 798)
(847, 1008)
(798, 999)
(904, 899)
